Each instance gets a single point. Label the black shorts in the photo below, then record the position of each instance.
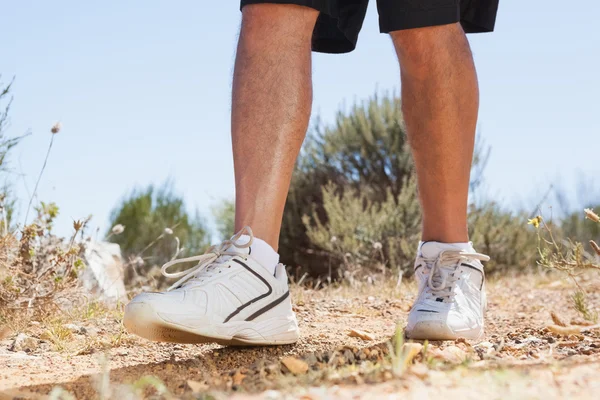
(339, 21)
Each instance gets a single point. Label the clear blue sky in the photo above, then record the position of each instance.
(143, 92)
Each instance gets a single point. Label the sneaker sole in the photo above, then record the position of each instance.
(141, 319)
(436, 331)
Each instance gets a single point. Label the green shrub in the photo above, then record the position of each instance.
(365, 149)
(503, 236)
(365, 159)
(224, 214)
(145, 215)
(577, 228)
(361, 233)
(7, 202)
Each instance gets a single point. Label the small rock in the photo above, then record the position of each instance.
(294, 365)
(361, 334)
(371, 299)
(349, 356)
(419, 370)
(454, 354)
(272, 369)
(197, 387)
(311, 359)
(78, 330)
(24, 343)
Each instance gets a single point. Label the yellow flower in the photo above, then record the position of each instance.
(535, 221)
(590, 214)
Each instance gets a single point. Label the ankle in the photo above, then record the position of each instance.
(262, 252)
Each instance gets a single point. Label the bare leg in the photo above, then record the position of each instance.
(272, 99)
(440, 101)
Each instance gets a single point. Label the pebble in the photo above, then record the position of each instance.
(454, 354)
(24, 343)
(76, 329)
(419, 370)
(294, 365)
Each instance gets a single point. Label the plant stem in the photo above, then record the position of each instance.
(38, 180)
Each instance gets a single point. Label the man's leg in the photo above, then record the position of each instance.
(272, 98)
(440, 100)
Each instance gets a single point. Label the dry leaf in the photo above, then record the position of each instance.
(581, 322)
(296, 366)
(361, 334)
(557, 319)
(564, 330)
(197, 387)
(571, 330)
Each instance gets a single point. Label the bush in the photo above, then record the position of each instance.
(365, 150)
(145, 215)
(7, 203)
(224, 214)
(359, 232)
(365, 165)
(576, 227)
(503, 236)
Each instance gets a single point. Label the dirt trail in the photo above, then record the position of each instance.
(525, 360)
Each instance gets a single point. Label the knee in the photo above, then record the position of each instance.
(268, 20)
(421, 44)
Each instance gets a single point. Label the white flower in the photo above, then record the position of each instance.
(377, 245)
(118, 229)
(168, 231)
(333, 239)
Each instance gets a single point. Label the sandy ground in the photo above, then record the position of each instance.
(518, 358)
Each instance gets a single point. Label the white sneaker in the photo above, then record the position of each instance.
(227, 298)
(451, 300)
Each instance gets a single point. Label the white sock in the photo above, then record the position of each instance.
(262, 252)
(433, 249)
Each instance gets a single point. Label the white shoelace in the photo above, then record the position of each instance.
(442, 279)
(209, 261)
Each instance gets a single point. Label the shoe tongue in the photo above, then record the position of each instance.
(433, 249)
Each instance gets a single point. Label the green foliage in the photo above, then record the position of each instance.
(5, 143)
(364, 164)
(224, 214)
(145, 214)
(580, 304)
(46, 214)
(502, 235)
(7, 203)
(576, 227)
(364, 150)
(360, 232)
